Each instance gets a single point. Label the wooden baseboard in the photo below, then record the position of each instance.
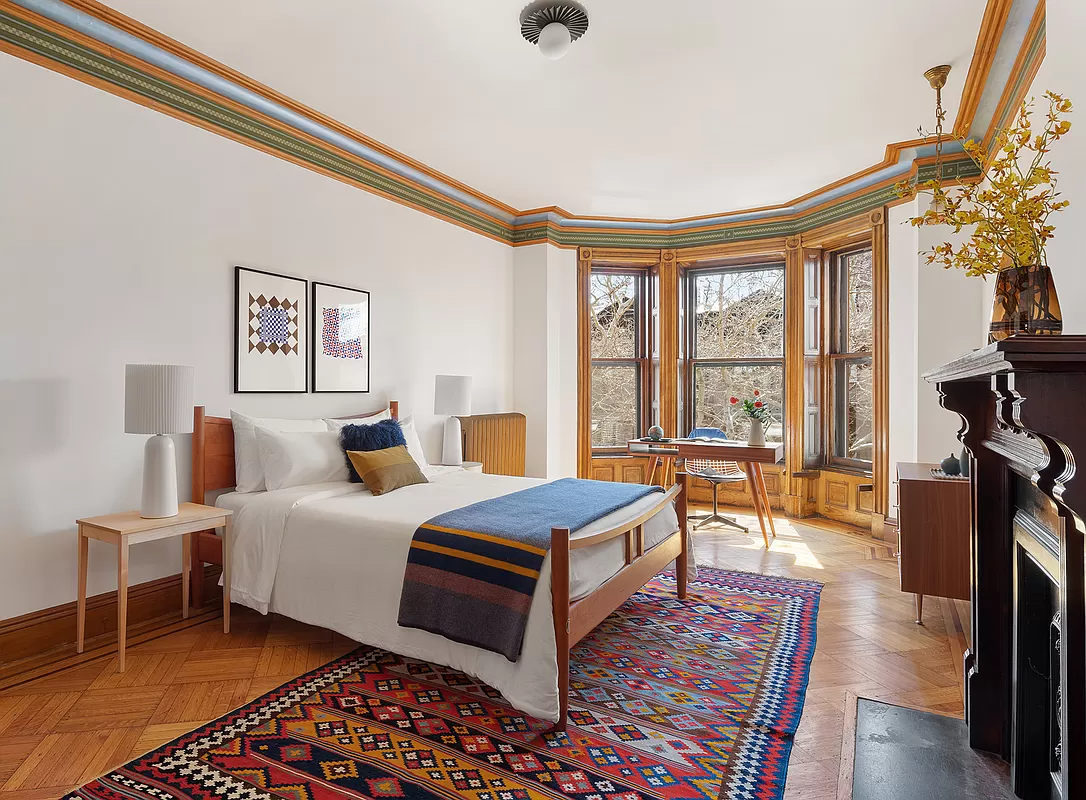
(52, 630)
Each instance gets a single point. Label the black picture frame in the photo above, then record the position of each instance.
(355, 381)
(281, 378)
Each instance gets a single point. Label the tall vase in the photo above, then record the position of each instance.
(1025, 302)
(757, 433)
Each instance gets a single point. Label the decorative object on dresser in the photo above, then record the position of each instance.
(158, 401)
(270, 332)
(341, 339)
(497, 441)
(129, 528)
(1020, 401)
(1013, 200)
(933, 535)
(452, 397)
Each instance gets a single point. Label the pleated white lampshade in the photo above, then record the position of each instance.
(452, 394)
(158, 398)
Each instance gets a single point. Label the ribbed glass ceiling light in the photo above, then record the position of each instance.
(553, 26)
(937, 78)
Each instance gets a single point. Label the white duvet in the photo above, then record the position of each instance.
(333, 555)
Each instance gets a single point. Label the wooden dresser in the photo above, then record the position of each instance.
(933, 535)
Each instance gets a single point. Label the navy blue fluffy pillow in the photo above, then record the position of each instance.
(378, 436)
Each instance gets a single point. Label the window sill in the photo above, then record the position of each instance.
(843, 470)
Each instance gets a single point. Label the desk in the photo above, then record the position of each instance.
(750, 459)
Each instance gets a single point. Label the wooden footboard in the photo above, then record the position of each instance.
(573, 621)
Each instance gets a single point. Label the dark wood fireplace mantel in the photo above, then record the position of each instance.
(1023, 404)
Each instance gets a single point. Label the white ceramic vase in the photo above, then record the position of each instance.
(757, 433)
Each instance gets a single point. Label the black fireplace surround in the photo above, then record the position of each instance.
(1023, 405)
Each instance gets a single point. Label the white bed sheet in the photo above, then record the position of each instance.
(334, 555)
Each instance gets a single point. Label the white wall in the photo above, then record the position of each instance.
(545, 356)
(1064, 72)
(936, 316)
(119, 231)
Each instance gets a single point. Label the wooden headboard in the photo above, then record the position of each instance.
(213, 451)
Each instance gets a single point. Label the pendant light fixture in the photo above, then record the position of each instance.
(937, 79)
(553, 26)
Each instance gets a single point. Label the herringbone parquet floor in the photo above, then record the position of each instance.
(64, 730)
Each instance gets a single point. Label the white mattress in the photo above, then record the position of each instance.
(334, 555)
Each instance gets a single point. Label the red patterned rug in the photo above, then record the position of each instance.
(669, 699)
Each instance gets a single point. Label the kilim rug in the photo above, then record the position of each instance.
(669, 699)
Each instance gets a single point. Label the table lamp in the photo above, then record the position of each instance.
(158, 401)
(452, 396)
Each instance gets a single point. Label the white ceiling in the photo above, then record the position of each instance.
(662, 110)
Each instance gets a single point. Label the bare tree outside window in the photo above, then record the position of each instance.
(737, 343)
(617, 350)
(853, 435)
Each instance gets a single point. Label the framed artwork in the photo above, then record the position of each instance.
(270, 331)
(341, 339)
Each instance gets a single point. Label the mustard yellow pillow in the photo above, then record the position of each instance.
(385, 470)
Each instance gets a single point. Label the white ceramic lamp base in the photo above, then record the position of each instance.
(159, 478)
(452, 450)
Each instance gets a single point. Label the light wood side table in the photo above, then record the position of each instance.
(130, 528)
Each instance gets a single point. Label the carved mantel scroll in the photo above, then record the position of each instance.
(1023, 414)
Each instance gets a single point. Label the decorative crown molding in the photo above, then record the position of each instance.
(97, 45)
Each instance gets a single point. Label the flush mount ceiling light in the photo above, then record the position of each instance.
(553, 25)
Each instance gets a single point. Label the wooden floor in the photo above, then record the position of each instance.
(64, 730)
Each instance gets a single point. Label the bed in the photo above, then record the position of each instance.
(333, 555)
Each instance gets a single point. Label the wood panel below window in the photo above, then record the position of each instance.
(621, 469)
(846, 497)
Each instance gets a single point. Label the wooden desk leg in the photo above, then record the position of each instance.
(81, 603)
(765, 497)
(226, 574)
(122, 599)
(756, 498)
(652, 472)
(186, 564)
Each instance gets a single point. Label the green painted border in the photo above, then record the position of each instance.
(60, 50)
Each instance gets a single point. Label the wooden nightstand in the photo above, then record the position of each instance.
(472, 466)
(130, 528)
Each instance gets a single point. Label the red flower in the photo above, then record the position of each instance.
(734, 400)
(757, 403)
(757, 393)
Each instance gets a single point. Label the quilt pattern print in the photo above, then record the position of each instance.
(695, 699)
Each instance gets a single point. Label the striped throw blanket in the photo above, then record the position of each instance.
(472, 572)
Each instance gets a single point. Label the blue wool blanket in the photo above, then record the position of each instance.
(472, 572)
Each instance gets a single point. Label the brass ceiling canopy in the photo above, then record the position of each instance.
(937, 76)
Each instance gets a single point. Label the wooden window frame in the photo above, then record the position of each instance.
(643, 348)
(837, 357)
(691, 362)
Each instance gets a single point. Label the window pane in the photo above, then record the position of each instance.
(739, 314)
(615, 401)
(613, 319)
(859, 301)
(714, 386)
(855, 410)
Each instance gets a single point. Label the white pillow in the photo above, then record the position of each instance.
(247, 465)
(299, 459)
(414, 446)
(336, 423)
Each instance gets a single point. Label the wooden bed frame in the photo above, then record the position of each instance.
(213, 469)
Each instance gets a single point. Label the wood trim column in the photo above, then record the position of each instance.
(880, 359)
(793, 490)
(584, 366)
(669, 343)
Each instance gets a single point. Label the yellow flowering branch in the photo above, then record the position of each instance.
(1009, 205)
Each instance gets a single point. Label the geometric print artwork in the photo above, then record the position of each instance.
(342, 331)
(693, 699)
(273, 325)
